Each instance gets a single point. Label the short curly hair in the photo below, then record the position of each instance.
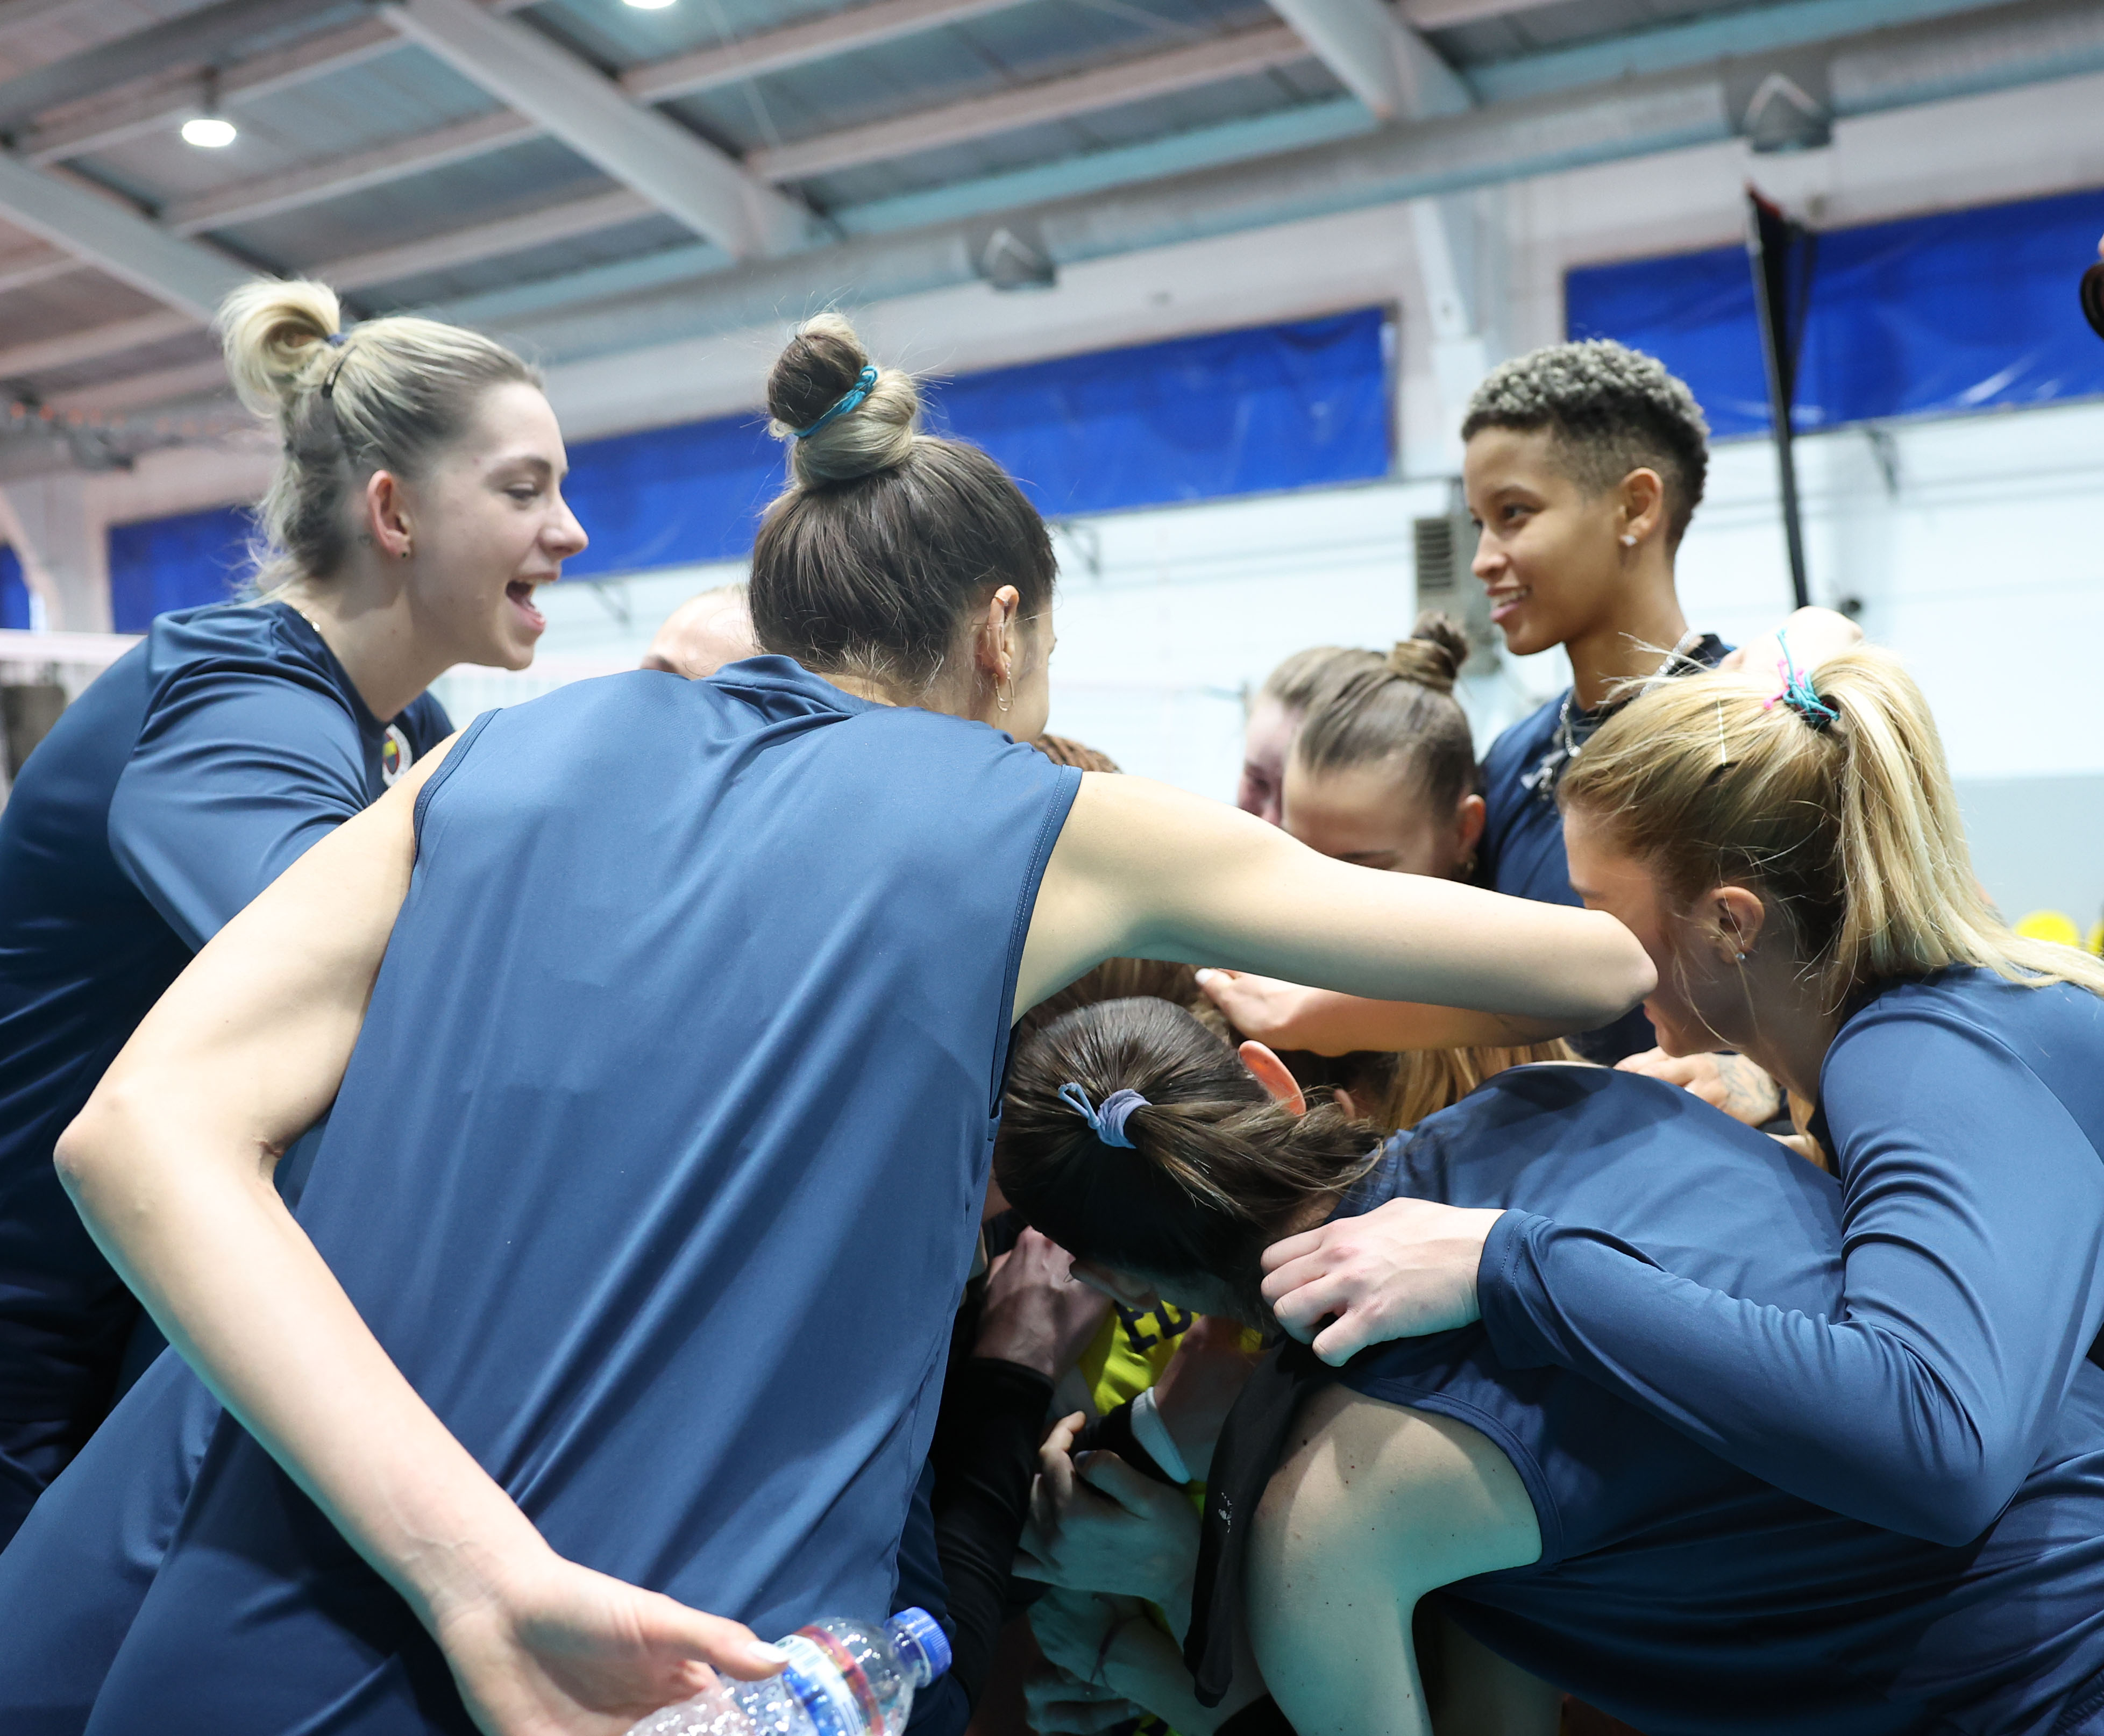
(1611, 410)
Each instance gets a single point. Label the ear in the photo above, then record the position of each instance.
(1468, 820)
(1274, 1076)
(1739, 916)
(1128, 1288)
(1000, 647)
(387, 515)
(1643, 503)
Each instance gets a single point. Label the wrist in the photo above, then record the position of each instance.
(492, 1567)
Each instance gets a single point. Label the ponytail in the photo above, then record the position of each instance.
(388, 394)
(1833, 800)
(1215, 1172)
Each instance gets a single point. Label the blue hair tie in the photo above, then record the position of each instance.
(1107, 1123)
(865, 384)
(334, 339)
(1798, 694)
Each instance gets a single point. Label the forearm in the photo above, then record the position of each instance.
(1845, 1414)
(985, 1454)
(1144, 1666)
(237, 1287)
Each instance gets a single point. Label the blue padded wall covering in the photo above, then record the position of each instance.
(175, 563)
(14, 592)
(1934, 315)
(1198, 418)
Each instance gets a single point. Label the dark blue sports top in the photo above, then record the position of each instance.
(1965, 1116)
(1522, 851)
(657, 1169)
(1675, 1590)
(186, 778)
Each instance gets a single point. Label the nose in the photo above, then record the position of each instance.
(566, 536)
(1489, 559)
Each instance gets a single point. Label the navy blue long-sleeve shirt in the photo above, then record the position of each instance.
(1966, 1117)
(195, 770)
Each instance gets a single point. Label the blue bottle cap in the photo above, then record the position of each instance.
(924, 1634)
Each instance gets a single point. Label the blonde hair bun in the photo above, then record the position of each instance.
(1433, 654)
(276, 338)
(821, 365)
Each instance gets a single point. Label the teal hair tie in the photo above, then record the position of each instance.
(865, 384)
(1797, 693)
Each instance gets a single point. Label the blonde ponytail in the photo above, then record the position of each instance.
(1849, 825)
(387, 395)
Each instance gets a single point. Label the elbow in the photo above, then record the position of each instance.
(92, 1147)
(1949, 1512)
(1623, 976)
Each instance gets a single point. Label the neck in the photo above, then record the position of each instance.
(367, 621)
(862, 686)
(1788, 1028)
(1628, 641)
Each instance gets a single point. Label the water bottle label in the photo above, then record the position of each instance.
(832, 1686)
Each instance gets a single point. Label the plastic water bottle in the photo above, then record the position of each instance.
(843, 1678)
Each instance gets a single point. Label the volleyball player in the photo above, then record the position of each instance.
(1795, 863)
(416, 506)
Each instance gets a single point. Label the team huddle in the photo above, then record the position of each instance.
(1612, 1233)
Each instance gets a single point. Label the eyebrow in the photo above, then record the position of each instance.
(527, 461)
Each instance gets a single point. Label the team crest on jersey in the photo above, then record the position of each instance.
(394, 755)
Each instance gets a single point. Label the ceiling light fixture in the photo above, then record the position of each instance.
(649, 5)
(208, 129)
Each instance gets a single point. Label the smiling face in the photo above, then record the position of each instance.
(1549, 554)
(1373, 815)
(490, 525)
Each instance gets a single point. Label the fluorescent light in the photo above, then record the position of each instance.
(649, 5)
(208, 131)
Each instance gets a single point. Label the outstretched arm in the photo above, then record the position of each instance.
(1144, 870)
(171, 1167)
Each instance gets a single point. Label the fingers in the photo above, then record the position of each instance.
(726, 1645)
(1109, 1475)
(1293, 1248)
(1344, 1337)
(1302, 1309)
(1061, 1439)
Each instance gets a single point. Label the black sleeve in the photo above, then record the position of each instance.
(985, 1454)
(1114, 1434)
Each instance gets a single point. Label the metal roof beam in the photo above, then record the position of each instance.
(90, 346)
(1378, 58)
(31, 265)
(798, 45)
(682, 175)
(1136, 80)
(481, 240)
(185, 275)
(199, 38)
(267, 195)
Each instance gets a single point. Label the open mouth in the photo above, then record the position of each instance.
(1503, 602)
(520, 592)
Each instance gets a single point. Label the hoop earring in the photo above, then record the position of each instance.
(1005, 703)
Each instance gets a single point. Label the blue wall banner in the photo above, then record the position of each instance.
(1195, 418)
(14, 592)
(175, 563)
(1935, 315)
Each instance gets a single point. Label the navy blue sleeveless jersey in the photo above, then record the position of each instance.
(656, 1169)
(1522, 851)
(1965, 1116)
(186, 778)
(1674, 1590)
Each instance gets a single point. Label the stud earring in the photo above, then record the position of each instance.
(1740, 956)
(1628, 541)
